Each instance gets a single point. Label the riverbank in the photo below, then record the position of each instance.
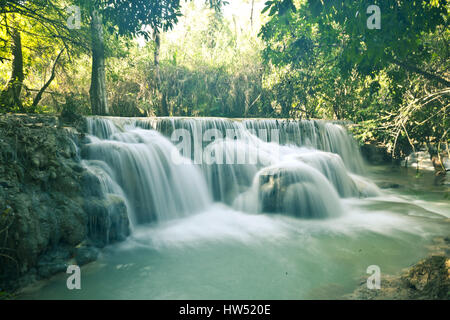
(429, 279)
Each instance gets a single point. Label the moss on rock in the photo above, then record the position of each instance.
(43, 199)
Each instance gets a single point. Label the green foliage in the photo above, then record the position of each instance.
(390, 81)
(207, 68)
(42, 26)
(400, 36)
(312, 59)
(139, 17)
(342, 24)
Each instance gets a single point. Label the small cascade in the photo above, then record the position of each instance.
(292, 188)
(167, 168)
(101, 127)
(141, 164)
(317, 134)
(109, 211)
(243, 138)
(333, 168)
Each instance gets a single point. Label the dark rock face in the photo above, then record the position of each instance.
(48, 202)
(375, 154)
(86, 254)
(91, 185)
(108, 220)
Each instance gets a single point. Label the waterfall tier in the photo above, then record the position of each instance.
(167, 168)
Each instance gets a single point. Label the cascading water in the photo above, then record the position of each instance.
(231, 209)
(300, 167)
(140, 163)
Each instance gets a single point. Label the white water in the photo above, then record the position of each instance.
(226, 161)
(298, 222)
(139, 161)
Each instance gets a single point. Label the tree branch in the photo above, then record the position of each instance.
(426, 74)
(52, 76)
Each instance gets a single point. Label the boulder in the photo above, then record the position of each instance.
(107, 219)
(91, 185)
(375, 154)
(297, 189)
(85, 254)
(49, 202)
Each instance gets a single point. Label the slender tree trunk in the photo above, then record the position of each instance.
(38, 97)
(11, 95)
(436, 159)
(163, 110)
(251, 15)
(336, 110)
(97, 92)
(157, 39)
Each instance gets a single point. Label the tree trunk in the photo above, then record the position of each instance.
(336, 111)
(436, 160)
(38, 97)
(10, 97)
(251, 15)
(97, 92)
(163, 110)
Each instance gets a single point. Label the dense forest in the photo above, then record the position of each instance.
(385, 68)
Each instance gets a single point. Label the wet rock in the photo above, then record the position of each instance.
(5, 184)
(72, 222)
(428, 279)
(108, 220)
(388, 185)
(56, 254)
(270, 193)
(85, 254)
(365, 187)
(39, 160)
(91, 185)
(77, 168)
(42, 216)
(53, 261)
(298, 190)
(46, 270)
(375, 154)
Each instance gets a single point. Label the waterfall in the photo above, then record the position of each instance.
(140, 163)
(317, 134)
(168, 168)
